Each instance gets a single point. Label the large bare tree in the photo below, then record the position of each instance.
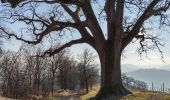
(124, 20)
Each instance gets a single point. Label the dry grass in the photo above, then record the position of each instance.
(137, 95)
(62, 92)
(146, 95)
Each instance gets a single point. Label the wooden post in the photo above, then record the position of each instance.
(152, 86)
(163, 90)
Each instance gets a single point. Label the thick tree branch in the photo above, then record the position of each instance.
(76, 18)
(119, 14)
(135, 30)
(18, 38)
(15, 3)
(74, 15)
(51, 52)
(110, 12)
(91, 21)
(54, 26)
(83, 31)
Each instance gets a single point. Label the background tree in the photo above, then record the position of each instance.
(125, 20)
(87, 69)
(55, 63)
(131, 83)
(63, 72)
(13, 75)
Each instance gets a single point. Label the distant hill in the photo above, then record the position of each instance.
(130, 67)
(157, 76)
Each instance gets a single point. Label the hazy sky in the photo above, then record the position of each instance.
(130, 55)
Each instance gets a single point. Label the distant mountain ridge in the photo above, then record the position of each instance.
(157, 76)
(130, 67)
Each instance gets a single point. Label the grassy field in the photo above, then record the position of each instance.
(92, 93)
(145, 95)
(137, 95)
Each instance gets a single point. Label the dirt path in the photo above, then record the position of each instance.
(74, 96)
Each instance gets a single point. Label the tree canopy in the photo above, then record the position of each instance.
(43, 17)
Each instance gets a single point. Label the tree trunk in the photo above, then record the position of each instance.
(52, 83)
(111, 82)
(87, 86)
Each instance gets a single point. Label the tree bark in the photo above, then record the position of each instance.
(52, 83)
(111, 82)
(87, 85)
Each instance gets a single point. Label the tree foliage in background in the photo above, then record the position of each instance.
(24, 76)
(132, 83)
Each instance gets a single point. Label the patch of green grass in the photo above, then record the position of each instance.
(92, 93)
(88, 95)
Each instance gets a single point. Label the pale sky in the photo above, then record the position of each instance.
(130, 55)
(154, 57)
